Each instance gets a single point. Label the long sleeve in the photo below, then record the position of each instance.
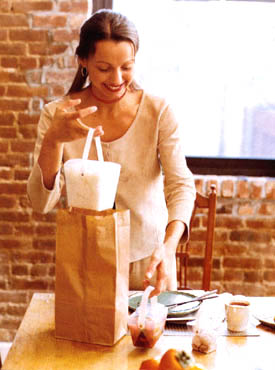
(179, 187)
(42, 199)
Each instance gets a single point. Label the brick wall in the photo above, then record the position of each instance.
(37, 42)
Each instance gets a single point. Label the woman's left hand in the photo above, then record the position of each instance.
(163, 259)
(160, 264)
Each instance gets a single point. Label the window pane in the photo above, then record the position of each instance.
(215, 62)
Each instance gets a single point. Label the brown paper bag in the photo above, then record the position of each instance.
(92, 275)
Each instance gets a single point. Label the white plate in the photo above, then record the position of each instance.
(168, 298)
(266, 320)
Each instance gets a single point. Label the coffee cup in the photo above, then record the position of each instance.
(237, 314)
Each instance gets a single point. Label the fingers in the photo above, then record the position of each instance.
(98, 131)
(78, 114)
(68, 103)
(157, 266)
(161, 280)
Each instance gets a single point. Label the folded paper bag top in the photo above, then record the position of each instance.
(91, 184)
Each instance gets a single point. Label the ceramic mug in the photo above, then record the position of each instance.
(237, 314)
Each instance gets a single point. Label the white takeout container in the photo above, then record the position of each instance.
(91, 184)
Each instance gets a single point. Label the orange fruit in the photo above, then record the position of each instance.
(177, 360)
(150, 364)
(169, 361)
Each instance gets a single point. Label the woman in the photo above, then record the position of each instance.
(138, 131)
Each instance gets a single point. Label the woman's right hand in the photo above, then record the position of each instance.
(67, 126)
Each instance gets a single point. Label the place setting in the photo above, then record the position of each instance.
(182, 308)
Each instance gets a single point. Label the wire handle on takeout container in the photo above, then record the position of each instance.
(87, 147)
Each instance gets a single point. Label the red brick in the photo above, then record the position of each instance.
(5, 6)
(256, 189)
(242, 262)
(4, 147)
(28, 118)
(246, 209)
(260, 223)
(13, 20)
(20, 270)
(58, 90)
(49, 21)
(4, 76)
(27, 63)
(13, 105)
(64, 35)
(12, 49)
(6, 174)
(22, 146)
(18, 77)
(229, 222)
(269, 275)
(267, 209)
(16, 310)
(21, 175)
(5, 229)
(28, 131)
(27, 91)
(13, 297)
(32, 257)
(243, 189)
(224, 208)
(45, 230)
(73, 6)
(31, 6)
(236, 249)
(21, 159)
(39, 270)
(9, 62)
(233, 275)
(227, 189)
(28, 35)
(3, 35)
(269, 263)
(10, 323)
(6, 119)
(10, 243)
(45, 61)
(76, 21)
(20, 230)
(44, 244)
(7, 202)
(48, 217)
(253, 276)
(250, 236)
(270, 190)
(25, 284)
(12, 188)
(7, 132)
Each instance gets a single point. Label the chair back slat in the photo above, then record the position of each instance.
(182, 255)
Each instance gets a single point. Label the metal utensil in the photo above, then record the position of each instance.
(207, 295)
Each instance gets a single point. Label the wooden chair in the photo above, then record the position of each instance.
(182, 255)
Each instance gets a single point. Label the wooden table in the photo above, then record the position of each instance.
(36, 348)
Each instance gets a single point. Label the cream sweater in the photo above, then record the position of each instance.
(152, 147)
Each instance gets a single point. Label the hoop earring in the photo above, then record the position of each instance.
(83, 72)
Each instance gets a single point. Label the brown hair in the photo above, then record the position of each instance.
(105, 24)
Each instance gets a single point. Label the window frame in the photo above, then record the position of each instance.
(216, 165)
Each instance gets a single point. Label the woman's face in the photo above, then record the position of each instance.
(111, 68)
